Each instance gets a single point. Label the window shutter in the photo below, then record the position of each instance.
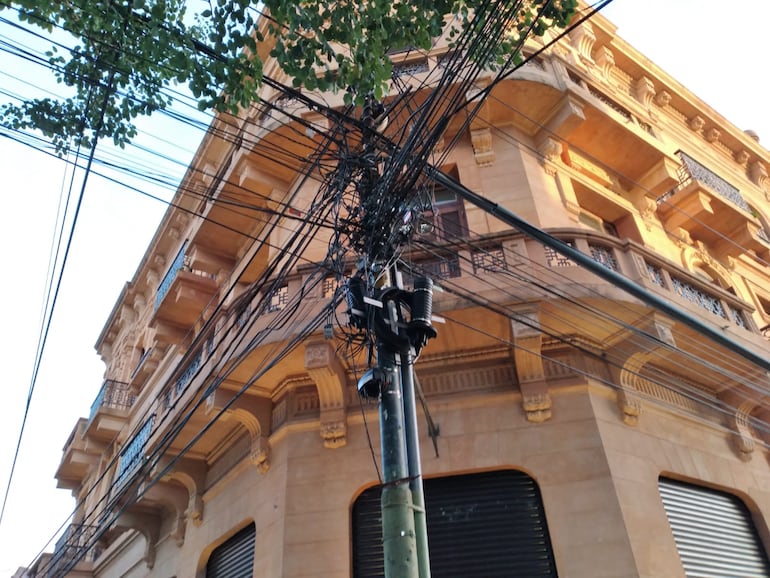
(714, 532)
(235, 557)
(490, 524)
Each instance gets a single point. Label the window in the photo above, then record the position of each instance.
(714, 532)
(490, 524)
(234, 558)
(448, 212)
(598, 223)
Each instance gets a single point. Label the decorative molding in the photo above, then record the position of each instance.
(758, 174)
(481, 139)
(696, 123)
(626, 372)
(582, 40)
(712, 135)
(644, 90)
(605, 59)
(148, 525)
(742, 156)
(259, 453)
(325, 369)
(191, 474)
(528, 359)
(173, 497)
(550, 150)
(743, 442)
(251, 412)
(662, 98)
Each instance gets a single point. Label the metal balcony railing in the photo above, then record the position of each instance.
(168, 279)
(113, 394)
(132, 455)
(73, 546)
(693, 170)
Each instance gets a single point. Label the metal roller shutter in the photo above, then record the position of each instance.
(489, 524)
(714, 532)
(235, 557)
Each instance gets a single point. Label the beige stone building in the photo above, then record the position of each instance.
(582, 433)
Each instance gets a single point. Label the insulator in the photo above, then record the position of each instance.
(356, 306)
(422, 302)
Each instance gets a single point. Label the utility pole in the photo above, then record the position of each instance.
(398, 342)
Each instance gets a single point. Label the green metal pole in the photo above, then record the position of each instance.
(398, 535)
(414, 462)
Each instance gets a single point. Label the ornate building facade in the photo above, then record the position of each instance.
(580, 432)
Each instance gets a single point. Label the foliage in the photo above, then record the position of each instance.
(129, 51)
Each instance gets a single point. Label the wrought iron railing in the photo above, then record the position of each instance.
(72, 546)
(142, 359)
(187, 375)
(113, 394)
(132, 455)
(694, 170)
(168, 279)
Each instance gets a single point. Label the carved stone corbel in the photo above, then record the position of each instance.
(481, 140)
(582, 40)
(175, 498)
(550, 150)
(325, 369)
(259, 453)
(712, 135)
(758, 174)
(251, 412)
(605, 60)
(631, 352)
(644, 91)
(742, 156)
(191, 474)
(148, 525)
(527, 354)
(662, 98)
(696, 123)
(743, 441)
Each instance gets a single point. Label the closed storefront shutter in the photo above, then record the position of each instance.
(489, 524)
(714, 532)
(235, 557)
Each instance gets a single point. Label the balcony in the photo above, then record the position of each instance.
(74, 552)
(182, 295)
(78, 456)
(711, 209)
(109, 411)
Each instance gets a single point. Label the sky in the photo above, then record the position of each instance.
(715, 53)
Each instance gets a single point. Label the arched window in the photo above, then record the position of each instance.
(234, 558)
(714, 532)
(489, 524)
